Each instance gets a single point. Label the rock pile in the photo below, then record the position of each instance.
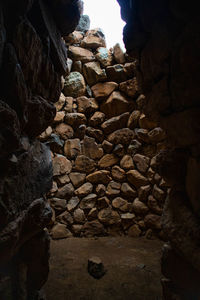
(103, 147)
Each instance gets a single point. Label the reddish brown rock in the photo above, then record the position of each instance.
(127, 191)
(137, 179)
(93, 42)
(97, 119)
(129, 87)
(142, 162)
(77, 179)
(139, 207)
(108, 216)
(61, 165)
(102, 90)
(121, 136)
(75, 119)
(86, 105)
(127, 162)
(108, 160)
(115, 105)
(115, 123)
(133, 119)
(84, 190)
(72, 148)
(121, 204)
(64, 131)
(101, 176)
(93, 73)
(84, 164)
(118, 174)
(78, 53)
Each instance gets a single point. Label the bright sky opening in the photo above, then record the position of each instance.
(106, 15)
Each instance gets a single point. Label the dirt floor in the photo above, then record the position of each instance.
(133, 269)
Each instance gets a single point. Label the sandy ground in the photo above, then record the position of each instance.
(133, 269)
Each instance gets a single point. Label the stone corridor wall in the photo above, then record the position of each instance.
(103, 147)
(164, 37)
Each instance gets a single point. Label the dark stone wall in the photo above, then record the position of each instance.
(164, 37)
(32, 60)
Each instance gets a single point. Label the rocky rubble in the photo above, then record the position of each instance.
(103, 147)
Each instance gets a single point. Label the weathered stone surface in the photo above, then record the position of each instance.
(102, 90)
(84, 189)
(121, 136)
(108, 160)
(120, 203)
(118, 174)
(91, 149)
(145, 123)
(129, 69)
(74, 85)
(129, 87)
(72, 148)
(93, 73)
(119, 150)
(102, 202)
(72, 203)
(60, 103)
(59, 117)
(81, 54)
(142, 162)
(58, 204)
(127, 162)
(152, 221)
(84, 164)
(87, 105)
(104, 56)
(107, 146)
(139, 207)
(153, 205)
(108, 216)
(77, 178)
(137, 179)
(93, 228)
(74, 38)
(65, 218)
(133, 119)
(116, 73)
(127, 191)
(97, 119)
(101, 176)
(64, 131)
(95, 133)
(142, 135)
(100, 190)
(92, 215)
(115, 123)
(156, 135)
(69, 101)
(134, 231)
(75, 119)
(60, 231)
(62, 179)
(115, 105)
(79, 216)
(61, 165)
(88, 202)
(118, 54)
(92, 42)
(113, 188)
(65, 191)
(143, 193)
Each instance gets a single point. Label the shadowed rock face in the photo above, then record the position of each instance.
(164, 37)
(32, 60)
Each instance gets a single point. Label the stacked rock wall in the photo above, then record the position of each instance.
(103, 147)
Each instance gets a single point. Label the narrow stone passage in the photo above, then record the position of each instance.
(133, 269)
